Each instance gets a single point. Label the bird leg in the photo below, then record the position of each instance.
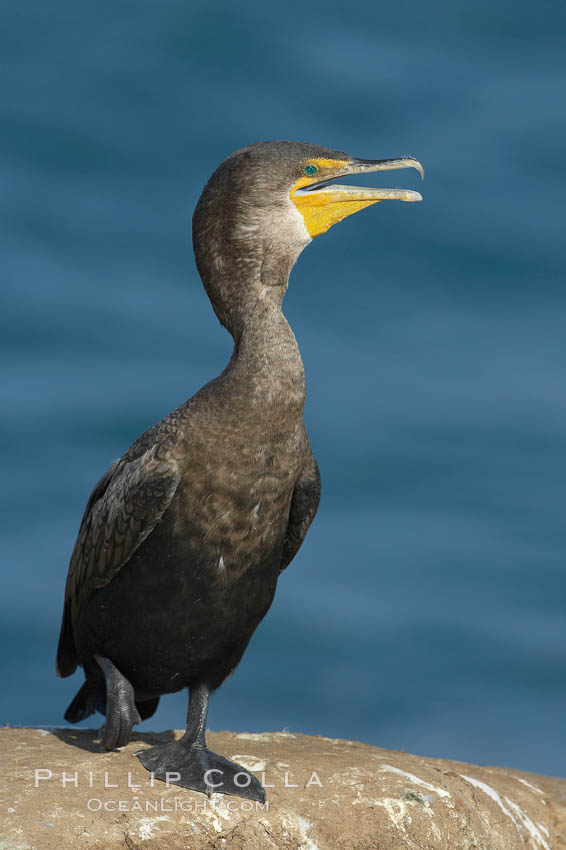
(188, 762)
(121, 712)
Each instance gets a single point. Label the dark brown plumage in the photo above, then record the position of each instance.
(183, 539)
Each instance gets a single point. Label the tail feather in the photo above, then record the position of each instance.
(66, 651)
(88, 699)
(91, 697)
(147, 708)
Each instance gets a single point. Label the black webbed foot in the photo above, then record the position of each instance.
(196, 767)
(189, 763)
(121, 711)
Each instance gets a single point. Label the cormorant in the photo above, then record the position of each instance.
(184, 537)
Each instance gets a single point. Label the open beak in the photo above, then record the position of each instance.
(323, 203)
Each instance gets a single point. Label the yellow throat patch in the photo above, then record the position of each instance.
(321, 211)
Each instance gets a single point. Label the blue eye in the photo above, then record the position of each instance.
(310, 170)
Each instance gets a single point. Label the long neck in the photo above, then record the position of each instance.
(244, 256)
(266, 361)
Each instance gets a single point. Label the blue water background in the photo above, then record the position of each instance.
(427, 609)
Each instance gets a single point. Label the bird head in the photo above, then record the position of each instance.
(265, 203)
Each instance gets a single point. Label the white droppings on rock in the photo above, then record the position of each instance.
(399, 809)
(491, 792)
(416, 780)
(284, 735)
(304, 827)
(249, 762)
(296, 823)
(254, 736)
(528, 785)
(9, 845)
(218, 809)
(147, 826)
(396, 810)
(351, 776)
(528, 824)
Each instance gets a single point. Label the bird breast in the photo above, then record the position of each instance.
(234, 499)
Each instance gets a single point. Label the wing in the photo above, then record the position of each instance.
(304, 505)
(123, 509)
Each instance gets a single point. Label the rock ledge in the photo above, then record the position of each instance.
(61, 790)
